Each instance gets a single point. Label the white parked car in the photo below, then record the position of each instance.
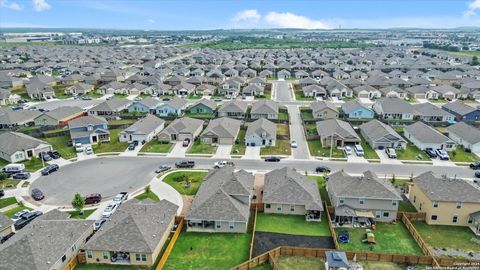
(109, 210)
(222, 163)
(391, 153)
(88, 150)
(78, 147)
(294, 144)
(120, 197)
(18, 215)
(358, 150)
(348, 150)
(442, 154)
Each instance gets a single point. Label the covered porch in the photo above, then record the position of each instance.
(348, 217)
(475, 223)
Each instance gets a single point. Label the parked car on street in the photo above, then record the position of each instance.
(477, 174)
(37, 194)
(430, 153)
(442, 154)
(111, 208)
(27, 218)
(120, 197)
(391, 153)
(93, 198)
(348, 150)
(6, 237)
(21, 175)
(475, 165)
(50, 169)
(98, 223)
(272, 159)
(322, 169)
(162, 168)
(14, 168)
(185, 164)
(222, 163)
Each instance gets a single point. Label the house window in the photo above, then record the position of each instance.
(435, 204)
(455, 219)
(378, 214)
(394, 203)
(144, 257)
(141, 257)
(218, 224)
(74, 247)
(279, 207)
(459, 205)
(231, 225)
(267, 205)
(361, 201)
(89, 254)
(470, 220)
(105, 255)
(64, 258)
(341, 201)
(386, 214)
(414, 199)
(292, 208)
(434, 217)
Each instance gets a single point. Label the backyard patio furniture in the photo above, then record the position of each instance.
(344, 237)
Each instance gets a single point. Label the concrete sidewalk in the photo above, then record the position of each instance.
(223, 151)
(252, 152)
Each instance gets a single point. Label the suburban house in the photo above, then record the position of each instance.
(314, 91)
(7, 97)
(429, 113)
(110, 109)
(462, 111)
(264, 109)
(79, 89)
(424, 136)
(89, 129)
(203, 106)
(261, 132)
(290, 193)
(336, 132)
(39, 90)
(6, 225)
(142, 131)
(147, 105)
(447, 201)
(181, 129)
(392, 108)
(133, 235)
(229, 88)
(324, 110)
(379, 135)
(51, 241)
(59, 116)
(465, 135)
(12, 119)
(221, 131)
(355, 110)
(253, 90)
(173, 107)
(356, 199)
(233, 109)
(17, 147)
(222, 203)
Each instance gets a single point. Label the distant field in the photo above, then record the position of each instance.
(468, 53)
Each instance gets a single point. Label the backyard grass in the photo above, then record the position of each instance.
(60, 144)
(459, 155)
(83, 266)
(200, 115)
(114, 145)
(316, 149)
(195, 250)
(193, 96)
(299, 263)
(406, 206)
(12, 211)
(368, 151)
(441, 236)
(198, 147)
(283, 130)
(306, 114)
(390, 238)
(291, 224)
(148, 195)
(239, 148)
(4, 202)
(411, 152)
(9, 183)
(300, 97)
(322, 187)
(282, 115)
(155, 146)
(60, 91)
(121, 122)
(282, 147)
(187, 183)
(76, 214)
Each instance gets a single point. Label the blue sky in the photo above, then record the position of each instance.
(227, 14)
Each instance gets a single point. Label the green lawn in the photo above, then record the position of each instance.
(200, 115)
(369, 152)
(192, 96)
(154, 146)
(411, 152)
(282, 147)
(150, 195)
(322, 187)
(4, 202)
(34, 164)
(316, 149)
(283, 130)
(209, 251)
(406, 206)
(459, 155)
(9, 183)
(60, 91)
(199, 147)
(239, 149)
(306, 114)
(76, 214)
(187, 183)
(300, 97)
(93, 94)
(121, 122)
(291, 224)
(299, 263)
(60, 144)
(282, 116)
(441, 236)
(82, 266)
(390, 238)
(12, 211)
(114, 145)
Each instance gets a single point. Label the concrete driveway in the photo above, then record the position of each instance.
(384, 159)
(252, 152)
(354, 158)
(223, 151)
(439, 162)
(178, 150)
(297, 133)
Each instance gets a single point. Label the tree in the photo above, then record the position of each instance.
(148, 189)
(475, 61)
(78, 202)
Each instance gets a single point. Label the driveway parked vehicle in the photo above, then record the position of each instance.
(109, 210)
(99, 223)
(21, 175)
(45, 156)
(78, 147)
(430, 153)
(93, 198)
(442, 154)
(185, 164)
(475, 165)
(54, 154)
(321, 169)
(27, 218)
(272, 159)
(162, 168)
(37, 194)
(50, 169)
(2, 193)
(347, 150)
(131, 146)
(18, 215)
(294, 144)
(186, 142)
(391, 153)
(88, 150)
(120, 197)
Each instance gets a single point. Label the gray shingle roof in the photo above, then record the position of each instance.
(11, 142)
(287, 186)
(145, 125)
(428, 109)
(334, 126)
(260, 126)
(234, 106)
(375, 130)
(447, 189)
(395, 105)
(18, 117)
(465, 131)
(223, 127)
(425, 133)
(207, 102)
(264, 107)
(183, 125)
(5, 222)
(136, 226)
(86, 120)
(64, 112)
(321, 105)
(353, 105)
(112, 105)
(215, 200)
(459, 108)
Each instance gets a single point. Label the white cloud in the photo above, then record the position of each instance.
(248, 15)
(40, 5)
(151, 21)
(290, 20)
(10, 5)
(472, 8)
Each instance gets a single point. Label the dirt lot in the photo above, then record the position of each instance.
(265, 241)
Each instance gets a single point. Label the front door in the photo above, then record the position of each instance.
(94, 139)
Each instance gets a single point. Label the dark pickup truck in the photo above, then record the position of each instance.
(27, 218)
(185, 164)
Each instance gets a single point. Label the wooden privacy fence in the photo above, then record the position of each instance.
(171, 244)
(418, 239)
(253, 233)
(330, 226)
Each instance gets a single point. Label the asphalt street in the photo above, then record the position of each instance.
(283, 91)
(110, 175)
(297, 133)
